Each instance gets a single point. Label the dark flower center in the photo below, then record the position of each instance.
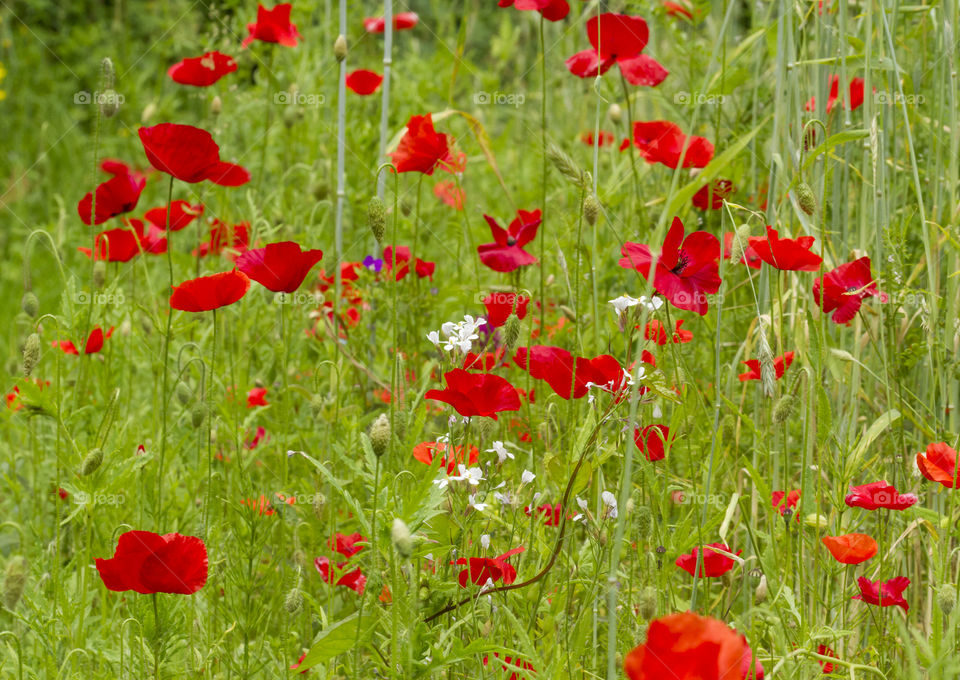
(682, 261)
(511, 241)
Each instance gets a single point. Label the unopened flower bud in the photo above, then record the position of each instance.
(643, 522)
(615, 113)
(31, 354)
(148, 112)
(216, 106)
(946, 598)
(591, 209)
(402, 540)
(511, 334)
(106, 74)
(14, 581)
(316, 405)
(30, 304)
(340, 48)
(146, 324)
(198, 415)
(380, 434)
(293, 602)
(806, 199)
(648, 602)
(184, 393)
(99, 273)
(377, 218)
(760, 594)
(109, 103)
(91, 462)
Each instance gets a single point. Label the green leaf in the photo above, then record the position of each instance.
(333, 641)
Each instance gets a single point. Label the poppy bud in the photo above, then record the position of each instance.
(486, 427)
(591, 209)
(760, 594)
(806, 199)
(340, 48)
(125, 328)
(91, 462)
(406, 208)
(31, 354)
(216, 106)
(321, 190)
(184, 394)
(946, 598)
(146, 324)
(741, 239)
(30, 304)
(643, 522)
(377, 218)
(316, 405)
(511, 333)
(293, 603)
(292, 115)
(615, 113)
(648, 602)
(197, 415)
(109, 103)
(99, 273)
(784, 408)
(728, 426)
(380, 434)
(486, 628)
(402, 540)
(106, 74)
(568, 167)
(14, 581)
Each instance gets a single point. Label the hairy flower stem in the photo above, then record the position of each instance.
(633, 155)
(341, 179)
(543, 184)
(385, 89)
(165, 394)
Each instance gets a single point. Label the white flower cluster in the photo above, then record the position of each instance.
(459, 336)
(624, 302)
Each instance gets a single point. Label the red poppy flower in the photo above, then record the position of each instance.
(552, 10)
(780, 364)
(425, 451)
(878, 495)
(224, 237)
(261, 505)
(152, 238)
(354, 580)
(506, 253)
(487, 361)
(257, 396)
(202, 71)
(518, 662)
(119, 194)
(654, 330)
(651, 441)
(552, 513)
(115, 245)
(750, 257)
(712, 195)
(188, 154)
(826, 666)
(501, 305)
(939, 464)
(605, 138)
(686, 270)
(886, 594)
(425, 270)
(477, 394)
(565, 374)
(844, 289)
(686, 646)
(347, 545)
(785, 500)
(182, 214)
(280, 267)
(422, 149)
(450, 193)
(851, 548)
(93, 345)
(115, 167)
(210, 292)
(856, 95)
(786, 254)
(401, 22)
(363, 82)
(482, 569)
(273, 26)
(678, 9)
(712, 564)
(150, 563)
(617, 39)
(259, 435)
(421, 268)
(661, 141)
